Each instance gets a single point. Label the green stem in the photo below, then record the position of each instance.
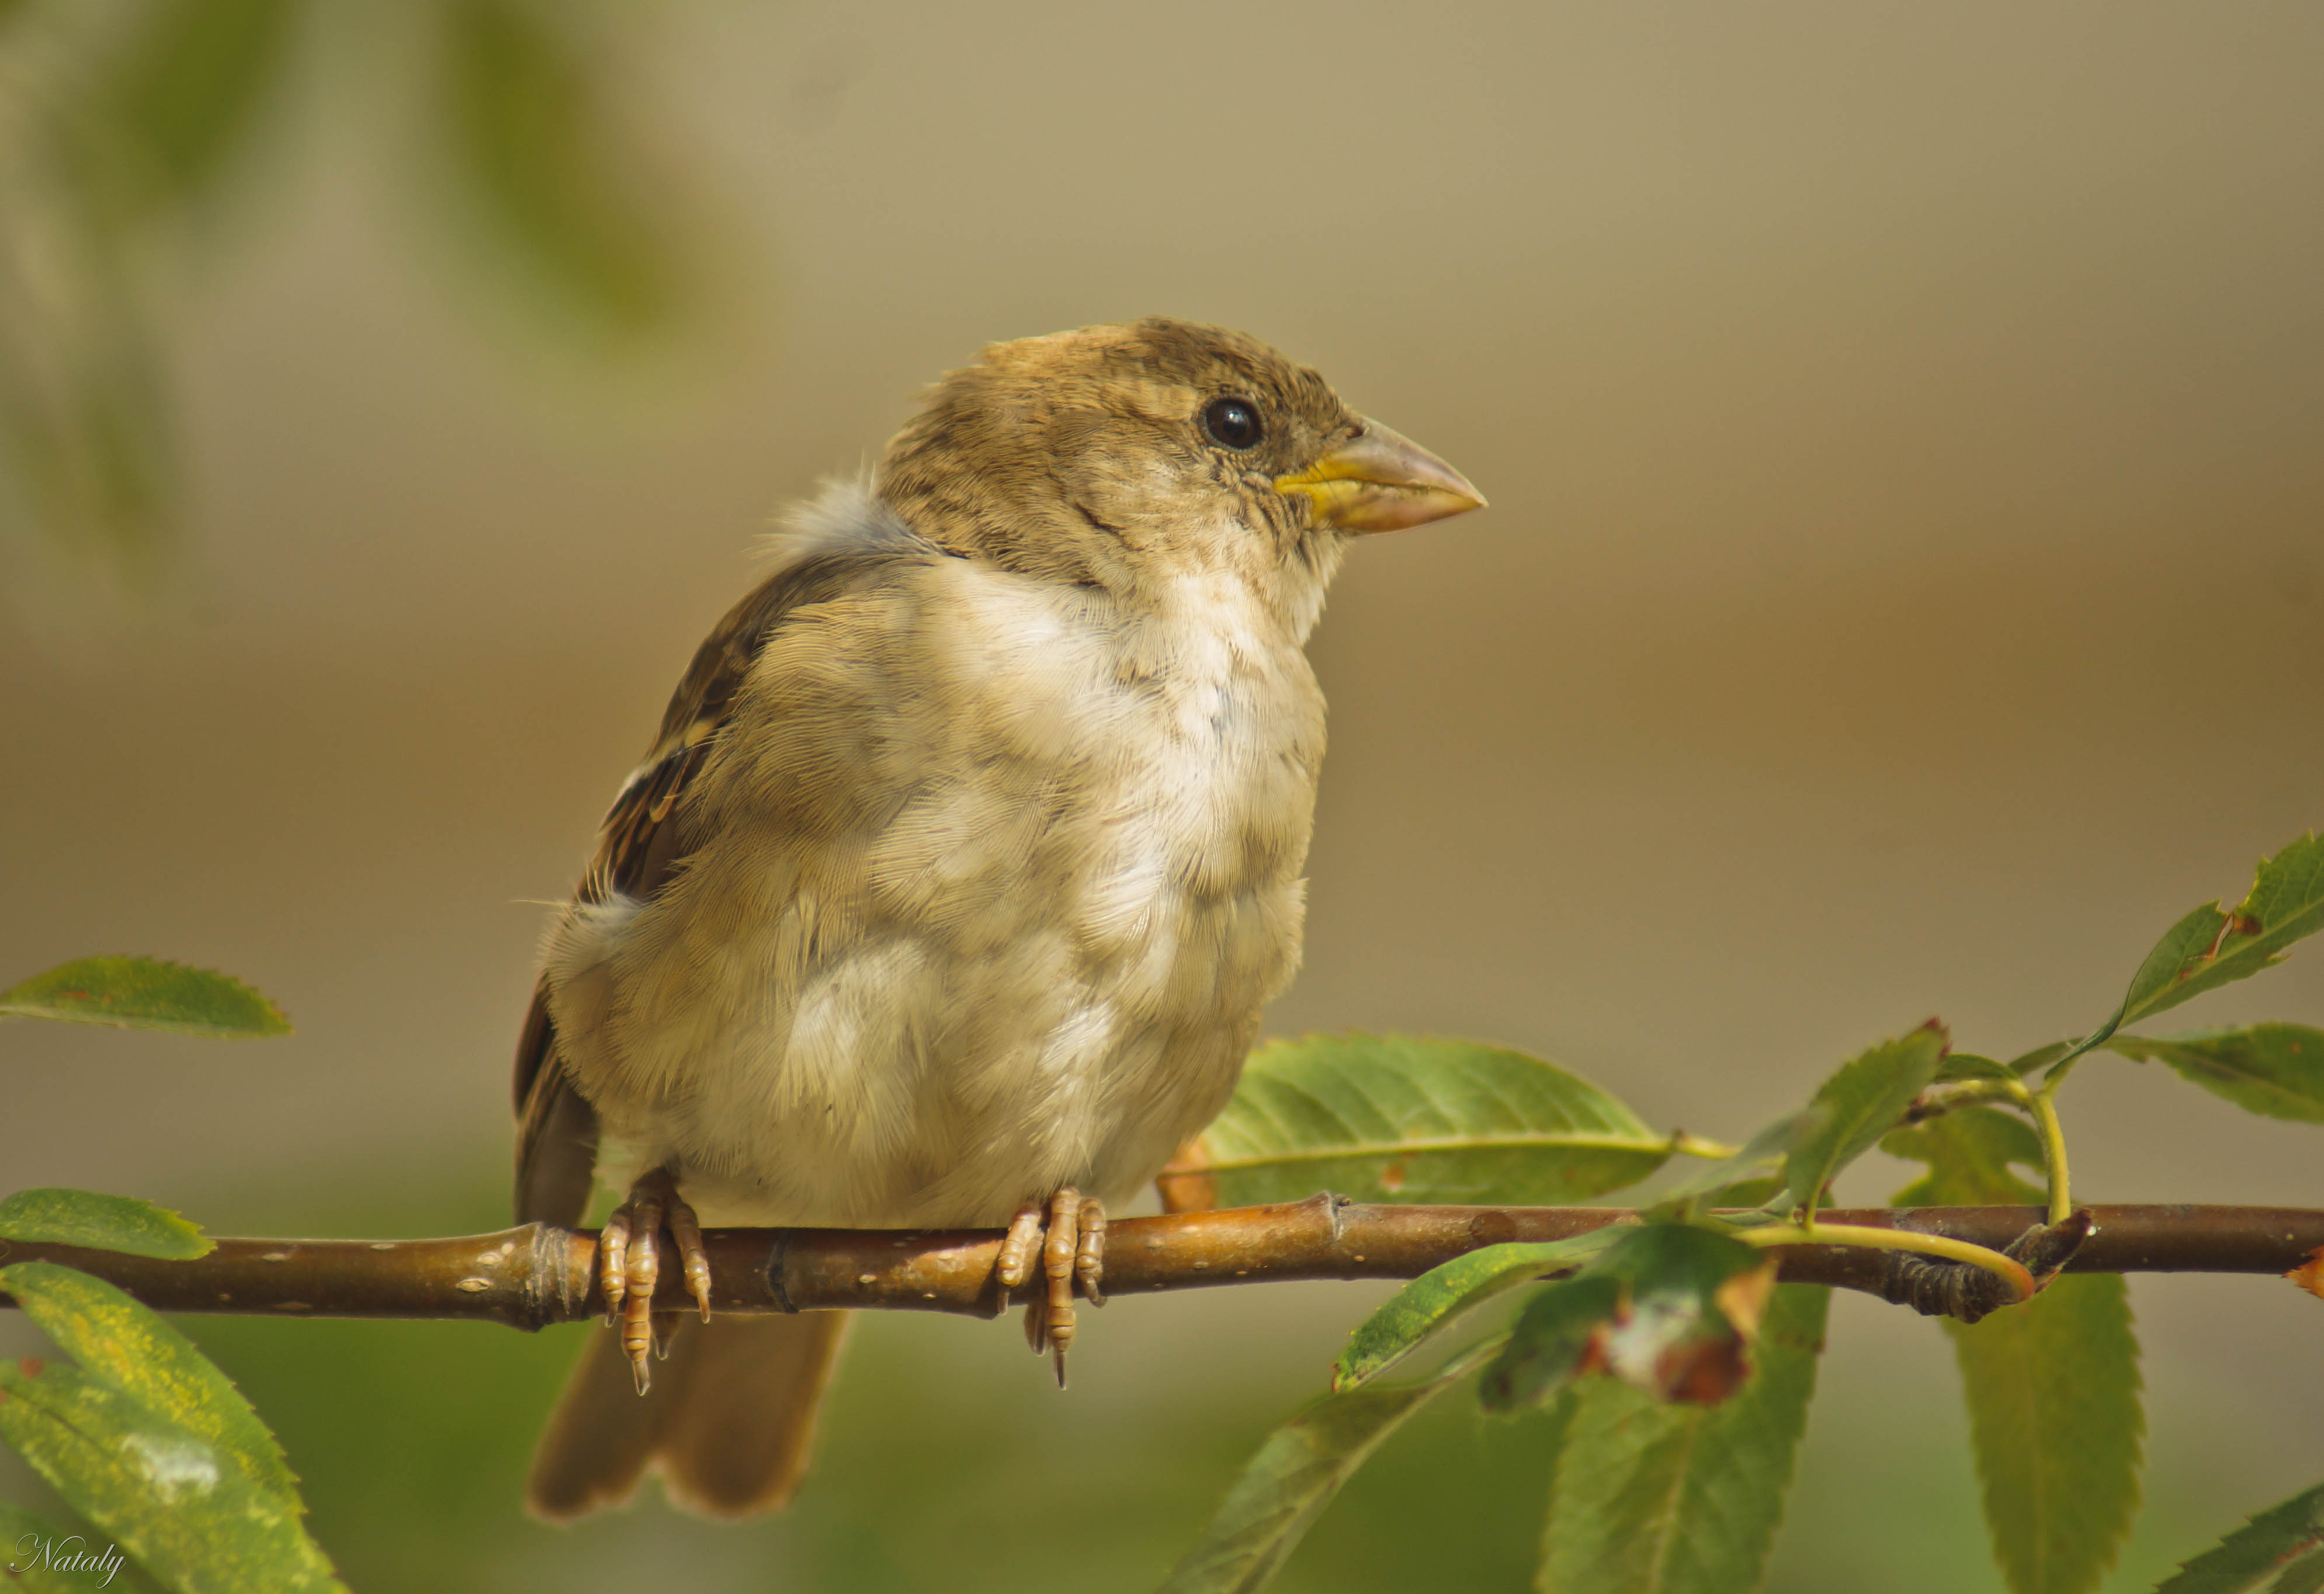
(2042, 1107)
(1867, 1237)
(2044, 1104)
(1955, 1094)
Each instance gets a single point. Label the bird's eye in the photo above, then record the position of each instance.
(1233, 422)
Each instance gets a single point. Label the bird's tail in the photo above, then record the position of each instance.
(728, 1423)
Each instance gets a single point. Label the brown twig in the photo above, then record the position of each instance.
(535, 1275)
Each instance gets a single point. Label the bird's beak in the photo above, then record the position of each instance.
(1379, 482)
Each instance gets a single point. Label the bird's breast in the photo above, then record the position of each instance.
(1025, 945)
(1168, 757)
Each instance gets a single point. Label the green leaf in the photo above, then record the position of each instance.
(1303, 1464)
(1860, 1104)
(1669, 1307)
(1444, 1292)
(1968, 1065)
(38, 1557)
(2209, 948)
(2283, 1539)
(1554, 1340)
(535, 141)
(146, 993)
(122, 1342)
(1749, 1193)
(166, 1495)
(1742, 1179)
(2055, 1421)
(1692, 1303)
(177, 104)
(102, 1223)
(1968, 1151)
(1651, 1499)
(2274, 1069)
(1406, 1119)
(2039, 1058)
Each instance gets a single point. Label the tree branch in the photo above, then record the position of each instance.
(533, 1276)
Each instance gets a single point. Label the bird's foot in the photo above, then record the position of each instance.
(1073, 1249)
(629, 1266)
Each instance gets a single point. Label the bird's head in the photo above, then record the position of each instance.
(1119, 455)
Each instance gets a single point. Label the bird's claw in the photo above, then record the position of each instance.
(1071, 1249)
(628, 1261)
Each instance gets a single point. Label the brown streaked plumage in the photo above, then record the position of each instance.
(965, 861)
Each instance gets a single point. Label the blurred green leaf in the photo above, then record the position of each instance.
(1968, 1151)
(153, 122)
(1443, 1294)
(83, 419)
(1303, 1464)
(175, 105)
(532, 135)
(1748, 1193)
(2286, 1539)
(120, 1340)
(2274, 1069)
(146, 993)
(2055, 1421)
(1650, 1498)
(101, 1222)
(39, 1557)
(167, 1496)
(1860, 1104)
(1408, 1119)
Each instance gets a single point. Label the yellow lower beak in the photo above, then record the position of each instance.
(1379, 482)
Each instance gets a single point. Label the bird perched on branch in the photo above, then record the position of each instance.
(952, 890)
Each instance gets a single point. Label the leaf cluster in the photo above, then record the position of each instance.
(136, 129)
(1679, 1372)
(138, 1433)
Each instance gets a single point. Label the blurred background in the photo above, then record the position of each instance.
(1904, 593)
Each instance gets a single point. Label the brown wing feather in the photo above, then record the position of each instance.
(546, 1164)
(643, 838)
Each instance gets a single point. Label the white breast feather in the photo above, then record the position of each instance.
(1042, 969)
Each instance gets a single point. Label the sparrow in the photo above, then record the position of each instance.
(953, 886)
